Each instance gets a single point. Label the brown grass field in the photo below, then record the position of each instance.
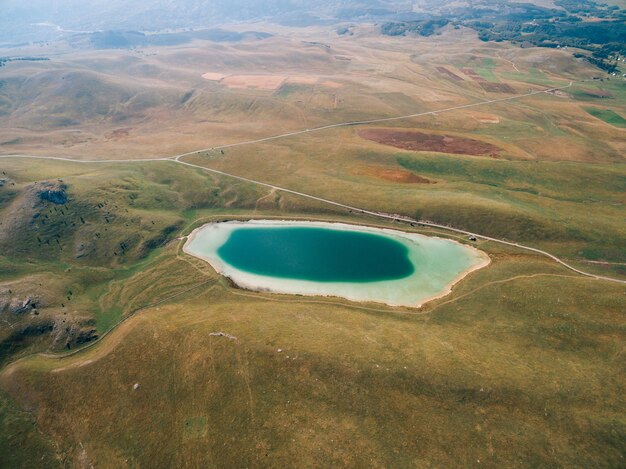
(260, 82)
(160, 94)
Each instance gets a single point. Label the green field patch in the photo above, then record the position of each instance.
(486, 70)
(558, 181)
(608, 116)
(292, 88)
(195, 427)
(533, 76)
(591, 93)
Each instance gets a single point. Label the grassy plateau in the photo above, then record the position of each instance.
(118, 350)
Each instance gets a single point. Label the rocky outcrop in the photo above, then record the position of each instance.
(16, 305)
(68, 335)
(55, 192)
(6, 181)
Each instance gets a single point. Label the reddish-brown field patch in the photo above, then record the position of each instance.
(475, 76)
(486, 118)
(418, 141)
(118, 134)
(496, 87)
(260, 82)
(393, 175)
(449, 74)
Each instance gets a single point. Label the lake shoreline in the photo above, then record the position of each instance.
(348, 291)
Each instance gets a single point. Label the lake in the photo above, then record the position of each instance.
(358, 263)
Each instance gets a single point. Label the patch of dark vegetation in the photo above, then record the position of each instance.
(591, 93)
(59, 332)
(419, 27)
(497, 87)
(187, 96)
(287, 89)
(21, 337)
(55, 192)
(597, 28)
(449, 74)
(609, 116)
(5, 60)
(162, 238)
(7, 189)
(14, 141)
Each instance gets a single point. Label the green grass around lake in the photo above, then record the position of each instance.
(511, 366)
(498, 372)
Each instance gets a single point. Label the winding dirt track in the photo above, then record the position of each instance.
(397, 218)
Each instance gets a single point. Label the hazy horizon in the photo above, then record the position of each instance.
(43, 21)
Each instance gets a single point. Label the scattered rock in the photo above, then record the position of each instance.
(223, 334)
(17, 306)
(72, 333)
(85, 335)
(55, 192)
(5, 181)
(21, 336)
(136, 386)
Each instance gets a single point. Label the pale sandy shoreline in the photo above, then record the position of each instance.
(281, 286)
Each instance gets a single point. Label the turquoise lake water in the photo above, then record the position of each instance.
(359, 263)
(317, 254)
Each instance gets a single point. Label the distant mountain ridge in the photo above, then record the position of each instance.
(41, 20)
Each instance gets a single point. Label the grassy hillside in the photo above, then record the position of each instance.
(534, 201)
(153, 101)
(608, 116)
(518, 367)
(119, 350)
(67, 258)
(506, 372)
(21, 443)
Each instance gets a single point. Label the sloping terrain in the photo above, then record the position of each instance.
(119, 350)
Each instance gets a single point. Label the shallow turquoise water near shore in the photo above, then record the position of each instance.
(359, 263)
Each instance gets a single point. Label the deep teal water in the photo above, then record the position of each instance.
(316, 254)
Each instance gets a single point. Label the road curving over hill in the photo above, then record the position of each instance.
(393, 217)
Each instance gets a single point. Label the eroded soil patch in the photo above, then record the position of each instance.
(449, 74)
(393, 175)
